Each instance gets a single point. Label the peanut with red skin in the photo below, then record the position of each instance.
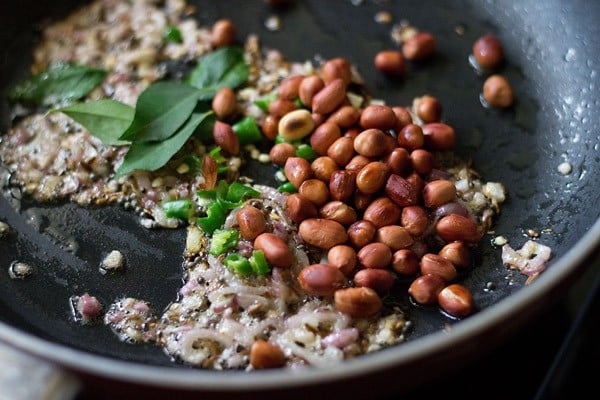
(324, 136)
(323, 167)
(289, 88)
(419, 47)
(439, 192)
(321, 279)
(380, 280)
(300, 208)
(378, 117)
(456, 300)
(280, 152)
(329, 98)
(322, 233)
(488, 51)
(341, 151)
(309, 86)
(390, 63)
(342, 257)
(225, 137)
(437, 265)
(382, 212)
(336, 68)
(297, 170)
(224, 103)
(394, 236)
(425, 289)
(264, 355)
(361, 233)
(359, 302)
(405, 262)
(375, 255)
(314, 190)
(276, 250)
(223, 33)
(455, 227)
(251, 222)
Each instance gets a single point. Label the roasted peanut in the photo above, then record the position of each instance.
(456, 300)
(488, 51)
(429, 109)
(264, 355)
(361, 233)
(296, 124)
(419, 47)
(338, 211)
(398, 160)
(345, 116)
(437, 265)
(336, 68)
(300, 208)
(329, 98)
(382, 212)
(394, 236)
(438, 192)
(324, 136)
(439, 136)
(375, 255)
(270, 126)
(322, 233)
(362, 200)
(369, 143)
(358, 302)
(280, 107)
(251, 222)
(280, 152)
(297, 170)
(357, 163)
(425, 289)
(289, 88)
(402, 116)
(342, 184)
(498, 92)
(223, 33)
(378, 117)
(323, 167)
(341, 151)
(309, 86)
(342, 257)
(380, 280)
(458, 254)
(224, 103)
(321, 279)
(372, 178)
(314, 190)
(391, 63)
(401, 191)
(455, 227)
(226, 138)
(411, 137)
(405, 262)
(276, 250)
(422, 161)
(415, 220)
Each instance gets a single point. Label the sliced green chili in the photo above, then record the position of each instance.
(238, 192)
(287, 188)
(223, 240)
(173, 34)
(215, 217)
(182, 209)
(238, 263)
(259, 263)
(263, 102)
(307, 152)
(247, 130)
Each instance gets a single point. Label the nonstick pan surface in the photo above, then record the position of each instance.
(553, 62)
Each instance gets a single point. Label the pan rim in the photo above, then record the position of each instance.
(565, 268)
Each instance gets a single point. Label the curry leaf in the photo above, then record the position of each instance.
(224, 67)
(160, 111)
(61, 82)
(151, 156)
(105, 119)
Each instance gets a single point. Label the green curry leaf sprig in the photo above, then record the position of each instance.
(165, 116)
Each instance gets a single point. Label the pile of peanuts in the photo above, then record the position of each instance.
(368, 199)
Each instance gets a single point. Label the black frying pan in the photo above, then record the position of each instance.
(553, 62)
